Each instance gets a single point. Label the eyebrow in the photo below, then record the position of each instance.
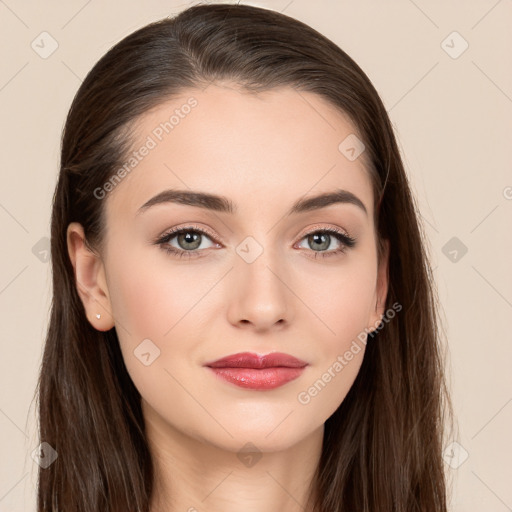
(224, 205)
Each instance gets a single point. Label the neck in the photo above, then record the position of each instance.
(194, 475)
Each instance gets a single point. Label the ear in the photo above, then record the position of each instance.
(90, 279)
(381, 290)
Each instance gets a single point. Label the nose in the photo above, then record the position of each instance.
(258, 294)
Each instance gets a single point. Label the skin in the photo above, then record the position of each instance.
(263, 152)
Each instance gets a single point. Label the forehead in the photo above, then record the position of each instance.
(272, 146)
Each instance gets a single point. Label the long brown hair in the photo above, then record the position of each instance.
(382, 448)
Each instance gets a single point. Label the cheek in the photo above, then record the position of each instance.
(150, 296)
(340, 349)
(153, 299)
(341, 301)
(341, 305)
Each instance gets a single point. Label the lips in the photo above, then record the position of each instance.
(251, 360)
(248, 370)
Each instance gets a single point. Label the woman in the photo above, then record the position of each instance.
(243, 313)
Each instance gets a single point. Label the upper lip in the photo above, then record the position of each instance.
(251, 360)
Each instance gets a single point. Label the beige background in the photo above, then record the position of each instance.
(453, 120)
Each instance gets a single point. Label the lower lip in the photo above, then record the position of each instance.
(263, 378)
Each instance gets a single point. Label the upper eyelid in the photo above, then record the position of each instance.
(317, 227)
(175, 231)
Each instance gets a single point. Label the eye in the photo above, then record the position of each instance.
(189, 240)
(320, 239)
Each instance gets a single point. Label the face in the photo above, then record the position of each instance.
(247, 273)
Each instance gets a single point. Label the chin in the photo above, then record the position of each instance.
(266, 440)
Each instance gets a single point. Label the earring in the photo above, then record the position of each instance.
(98, 316)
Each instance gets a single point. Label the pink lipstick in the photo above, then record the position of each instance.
(249, 370)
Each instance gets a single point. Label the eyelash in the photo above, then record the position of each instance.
(346, 241)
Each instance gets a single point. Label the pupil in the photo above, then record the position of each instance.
(325, 237)
(190, 238)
